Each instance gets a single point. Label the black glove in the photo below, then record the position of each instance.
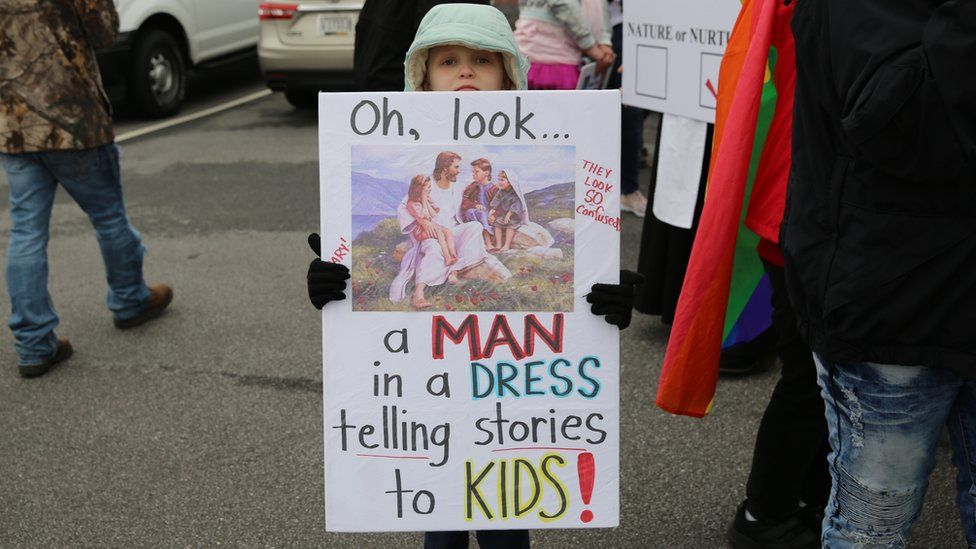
(326, 280)
(615, 300)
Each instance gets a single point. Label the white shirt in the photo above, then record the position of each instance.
(449, 201)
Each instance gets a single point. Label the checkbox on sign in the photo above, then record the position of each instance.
(652, 71)
(708, 88)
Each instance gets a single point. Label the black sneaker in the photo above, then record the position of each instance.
(789, 533)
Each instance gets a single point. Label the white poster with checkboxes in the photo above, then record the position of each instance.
(672, 51)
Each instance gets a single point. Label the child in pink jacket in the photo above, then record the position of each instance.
(554, 35)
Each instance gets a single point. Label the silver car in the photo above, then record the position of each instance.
(307, 47)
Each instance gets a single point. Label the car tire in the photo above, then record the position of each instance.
(302, 99)
(157, 83)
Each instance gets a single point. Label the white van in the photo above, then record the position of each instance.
(160, 40)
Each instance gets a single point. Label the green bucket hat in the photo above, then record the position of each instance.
(471, 25)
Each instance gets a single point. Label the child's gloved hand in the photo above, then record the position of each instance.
(616, 301)
(326, 280)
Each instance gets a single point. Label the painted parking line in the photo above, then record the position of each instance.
(193, 116)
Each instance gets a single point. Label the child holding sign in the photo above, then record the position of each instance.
(555, 33)
(465, 47)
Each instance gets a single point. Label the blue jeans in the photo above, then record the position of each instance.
(884, 424)
(91, 177)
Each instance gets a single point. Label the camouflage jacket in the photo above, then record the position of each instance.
(51, 95)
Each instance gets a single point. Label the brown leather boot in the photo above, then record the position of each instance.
(62, 353)
(160, 296)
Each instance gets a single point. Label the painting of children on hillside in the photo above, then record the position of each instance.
(463, 228)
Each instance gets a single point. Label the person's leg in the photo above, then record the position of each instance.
(790, 435)
(793, 431)
(631, 128)
(445, 540)
(631, 142)
(509, 237)
(445, 249)
(449, 238)
(815, 489)
(418, 300)
(884, 424)
(503, 539)
(32, 319)
(617, 43)
(962, 431)
(489, 238)
(92, 179)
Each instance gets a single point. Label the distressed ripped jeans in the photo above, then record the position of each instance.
(884, 423)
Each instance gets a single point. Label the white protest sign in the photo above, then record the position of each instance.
(672, 51)
(589, 79)
(489, 401)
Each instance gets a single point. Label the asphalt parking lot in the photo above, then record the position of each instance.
(204, 428)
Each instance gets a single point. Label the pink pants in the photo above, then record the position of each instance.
(553, 77)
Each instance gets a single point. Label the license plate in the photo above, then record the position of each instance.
(334, 24)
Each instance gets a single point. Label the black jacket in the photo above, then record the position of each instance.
(384, 33)
(879, 233)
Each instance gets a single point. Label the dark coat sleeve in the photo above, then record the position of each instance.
(910, 98)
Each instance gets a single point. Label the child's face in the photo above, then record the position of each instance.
(479, 175)
(457, 68)
(503, 182)
(425, 190)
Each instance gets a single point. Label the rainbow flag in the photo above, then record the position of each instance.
(725, 297)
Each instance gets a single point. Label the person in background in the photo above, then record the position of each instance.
(631, 124)
(488, 61)
(554, 34)
(880, 250)
(384, 31)
(56, 128)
